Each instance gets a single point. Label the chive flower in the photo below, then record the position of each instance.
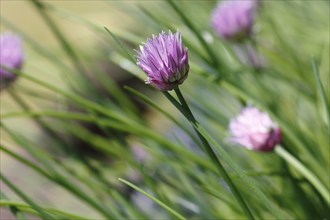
(233, 19)
(165, 60)
(254, 130)
(11, 56)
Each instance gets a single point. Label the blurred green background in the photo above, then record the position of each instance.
(289, 34)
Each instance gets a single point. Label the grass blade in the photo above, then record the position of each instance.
(42, 212)
(26, 208)
(186, 20)
(321, 92)
(176, 214)
(245, 179)
(120, 45)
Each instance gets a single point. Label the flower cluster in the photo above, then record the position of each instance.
(254, 130)
(165, 60)
(11, 56)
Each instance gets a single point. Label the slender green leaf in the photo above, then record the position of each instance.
(245, 179)
(58, 214)
(170, 210)
(41, 211)
(322, 95)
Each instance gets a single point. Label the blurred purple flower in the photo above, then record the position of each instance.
(165, 60)
(254, 130)
(233, 19)
(11, 56)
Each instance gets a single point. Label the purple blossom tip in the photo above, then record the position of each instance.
(11, 56)
(165, 60)
(233, 19)
(254, 130)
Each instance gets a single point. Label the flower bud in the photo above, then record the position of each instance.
(165, 61)
(254, 130)
(11, 56)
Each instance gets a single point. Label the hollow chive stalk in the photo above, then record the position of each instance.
(303, 170)
(183, 107)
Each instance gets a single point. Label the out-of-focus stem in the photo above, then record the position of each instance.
(42, 212)
(38, 121)
(309, 175)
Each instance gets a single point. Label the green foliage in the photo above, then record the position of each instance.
(121, 150)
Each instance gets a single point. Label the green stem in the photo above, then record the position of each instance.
(322, 94)
(176, 214)
(138, 130)
(15, 210)
(188, 22)
(161, 110)
(304, 171)
(59, 214)
(38, 121)
(63, 182)
(57, 32)
(189, 115)
(25, 162)
(43, 214)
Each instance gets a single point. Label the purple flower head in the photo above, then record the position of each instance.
(254, 130)
(165, 60)
(233, 19)
(11, 56)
